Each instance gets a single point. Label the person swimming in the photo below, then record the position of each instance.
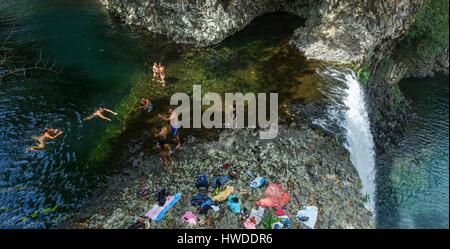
(99, 113)
(146, 105)
(172, 118)
(50, 133)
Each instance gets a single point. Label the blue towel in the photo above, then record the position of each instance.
(175, 199)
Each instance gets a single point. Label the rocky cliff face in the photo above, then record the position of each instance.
(342, 31)
(422, 69)
(389, 111)
(347, 31)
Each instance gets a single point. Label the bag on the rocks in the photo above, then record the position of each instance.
(158, 212)
(219, 181)
(257, 214)
(161, 196)
(205, 206)
(199, 199)
(258, 182)
(202, 181)
(308, 216)
(233, 204)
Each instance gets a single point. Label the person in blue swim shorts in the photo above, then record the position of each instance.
(146, 105)
(174, 126)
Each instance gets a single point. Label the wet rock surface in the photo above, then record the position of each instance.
(354, 31)
(313, 168)
(390, 112)
(342, 31)
(423, 69)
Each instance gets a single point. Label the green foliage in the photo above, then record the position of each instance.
(366, 198)
(398, 97)
(269, 219)
(429, 34)
(363, 74)
(377, 117)
(359, 184)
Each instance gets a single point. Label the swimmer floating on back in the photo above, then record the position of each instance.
(50, 133)
(99, 113)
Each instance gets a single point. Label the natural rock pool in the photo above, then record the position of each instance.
(413, 177)
(107, 64)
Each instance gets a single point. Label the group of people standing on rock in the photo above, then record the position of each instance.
(159, 73)
(166, 134)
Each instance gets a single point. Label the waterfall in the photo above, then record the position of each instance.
(347, 117)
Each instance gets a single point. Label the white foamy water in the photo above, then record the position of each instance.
(348, 111)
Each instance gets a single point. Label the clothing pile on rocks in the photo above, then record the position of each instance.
(312, 169)
(212, 194)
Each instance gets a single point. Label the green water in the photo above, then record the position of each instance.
(413, 179)
(107, 64)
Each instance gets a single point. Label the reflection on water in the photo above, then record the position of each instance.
(106, 64)
(413, 179)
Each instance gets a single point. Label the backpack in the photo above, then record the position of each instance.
(199, 199)
(161, 196)
(202, 181)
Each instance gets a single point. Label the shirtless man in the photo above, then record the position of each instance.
(146, 105)
(50, 133)
(174, 126)
(99, 113)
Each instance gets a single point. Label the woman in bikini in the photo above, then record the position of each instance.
(163, 145)
(50, 133)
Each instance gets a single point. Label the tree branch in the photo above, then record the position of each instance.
(13, 65)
